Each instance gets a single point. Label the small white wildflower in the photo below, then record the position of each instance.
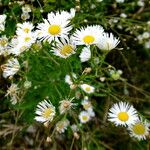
(86, 35)
(86, 104)
(64, 48)
(10, 68)
(25, 16)
(120, 1)
(2, 22)
(27, 84)
(66, 105)
(61, 126)
(26, 9)
(123, 15)
(24, 28)
(45, 111)
(56, 26)
(147, 44)
(140, 3)
(84, 117)
(12, 90)
(91, 112)
(85, 54)
(122, 113)
(3, 44)
(74, 128)
(107, 42)
(68, 79)
(140, 129)
(87, 88)
(146, 35)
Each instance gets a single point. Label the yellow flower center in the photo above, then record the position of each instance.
(60, 126)
(47, 112)
(66, 104)
(123, 116)
(3, 42)
(86, 106)
(88, 39)
(27, 39)
(54, 29)
(139, 129)
(67, 49)
(26, 30)
(88, 89)
(84, 118)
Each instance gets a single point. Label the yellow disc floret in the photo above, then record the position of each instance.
(123, 116)
(54, 29)
(67, 49)
(27, 39)
(47, 112)
(138, 128)
(85, 118)
(88, 39)
(88, 89)
(26, 30)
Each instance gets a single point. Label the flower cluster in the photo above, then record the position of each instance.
(90, 44)
(124, 114)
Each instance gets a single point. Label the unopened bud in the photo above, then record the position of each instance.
(48, 139)
(102, 79)
(46, 124)
(73, 86)
(27, 84)
(78, 8)
(76, 135)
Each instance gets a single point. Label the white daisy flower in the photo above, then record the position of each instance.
(91, 112)
(84, 117)
(56, 26)
(66, 105)
(140, 3)
(16, 47)
(61, 126)
(14, 99)
(68, 79)
(123, 15)
(10, 68)
(45, 111)
(2, 18)
(107, 42)
(122, 113)
(27, 39)
(87, 35)
(147, 44)
(26, 8)
(74, 128)
(140, 129)
(21, 43)
(64, 48)
(86, 104)
(85, 55)
(146, 35)
(68, 15)
(3, 44)
(25, 16)
(120, 1)
(12, 90)
(87, 88)
(24, 28)
(2, 22)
